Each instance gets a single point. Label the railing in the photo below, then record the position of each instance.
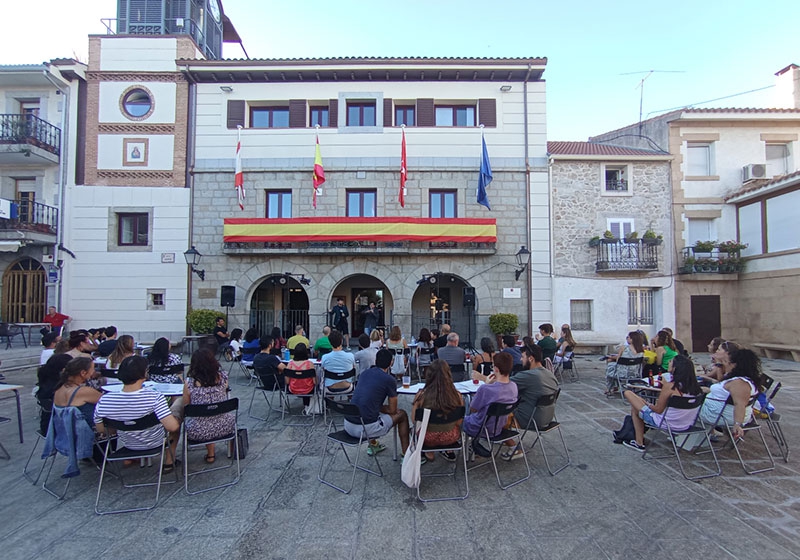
(356, 246)
(29, 129)
(710, 262)
(265, 319)
(32, 216)
(621, 256)
(169, 26)
(616, 184)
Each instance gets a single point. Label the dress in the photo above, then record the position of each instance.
(212, 427)
(615, 370)
(399, 363)
(157, 374)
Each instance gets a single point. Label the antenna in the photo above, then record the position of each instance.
(647, 74)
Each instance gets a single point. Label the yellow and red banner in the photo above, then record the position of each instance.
(459, 230)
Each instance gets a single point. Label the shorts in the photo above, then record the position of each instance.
(341, 326)
(375, 429)
(646, 414)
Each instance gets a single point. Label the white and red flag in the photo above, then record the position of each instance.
(319, 173)
(238, 178)
(403, 170)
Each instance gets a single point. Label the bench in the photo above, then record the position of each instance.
(777, 351)
(596, 347)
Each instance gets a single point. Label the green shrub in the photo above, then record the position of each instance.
(503, 323)
(202, 321)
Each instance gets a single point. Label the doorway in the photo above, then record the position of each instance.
(24, 292)
(279, 301)
(706, 322)
(361, 298)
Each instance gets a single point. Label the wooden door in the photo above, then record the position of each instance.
(706, 322)
(24, 292)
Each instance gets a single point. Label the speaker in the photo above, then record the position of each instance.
(469, 296)
(227, 297)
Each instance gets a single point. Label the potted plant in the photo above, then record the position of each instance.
(704, 246)
(632, 237)
(502, 324)
(706, 265)
(651, 238)
(730, 265)
(688, 265)
(202, 321)
(594, 241)
(731, 247)
(608, 237)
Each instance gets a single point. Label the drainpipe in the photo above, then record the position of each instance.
(189, 181)
(528, 271)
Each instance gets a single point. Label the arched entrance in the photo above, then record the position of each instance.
(358, 292)
(24, 292)
(443, 298)
(280, 301)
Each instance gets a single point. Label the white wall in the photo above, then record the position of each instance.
(110, 111)
(160, 152)
(138, 54)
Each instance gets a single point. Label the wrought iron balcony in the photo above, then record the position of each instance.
(620, 185)
(30, 130)
(626, 256)
(29, 219)
(710, 262)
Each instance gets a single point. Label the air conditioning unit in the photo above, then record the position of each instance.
(753, 171)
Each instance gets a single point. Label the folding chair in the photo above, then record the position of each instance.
(268, 381)
(44, 406)
(298, 374)
(248, 371)
(336, 377)
(165, 374)
(459, 372)
(437, 417)
(494, 413)
(631, 367)
(123, 454)
(680, 438)
(774, 419)
(209, 411)
(547, 400)
(752, 426)
(400, 363)
(564, 366)
(6, 456)
(424, 352)
(343, 439)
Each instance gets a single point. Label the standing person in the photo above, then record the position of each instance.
(546, 341)
(322, 345)
(339, 315)
(299, 336)
(221, 332)
(498, 388)
(49, 341)
(106, 347)
(56, 319)
(374, 386)
(371, 318)
(441, 396)
(338, 361)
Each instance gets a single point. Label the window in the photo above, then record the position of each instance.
(777, 159)
(615, 179)
(699, 229)
(640, 306)
(29, 107)
(443, 204)
(132, 230)
(360, 113)
(404, 115)
(319, 116)
(580, 314)
(156, 299)
(455, 115)
(361, 204)
(620, 227)
(698, 159)
(279, 204)
(137, 103)
(783, 232)
(750, 228)
(269, 117)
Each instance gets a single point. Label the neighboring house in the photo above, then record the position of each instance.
(38, 112)
(606, 287)
(720, 157)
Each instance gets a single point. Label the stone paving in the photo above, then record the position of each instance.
(608, 504)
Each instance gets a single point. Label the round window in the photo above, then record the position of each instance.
(137, 103)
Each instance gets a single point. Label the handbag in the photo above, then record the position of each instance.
(412, 460)
(243, 442)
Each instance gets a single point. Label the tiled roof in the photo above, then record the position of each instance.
(740, 110)
(595, 149)
(379, 59)
(758, 184)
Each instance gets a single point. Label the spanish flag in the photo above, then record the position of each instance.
(319, 173)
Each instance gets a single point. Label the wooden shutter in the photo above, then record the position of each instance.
(487, 112)
(297, 113)
(235, 113)
(333, 113)
(387, 112)
(426, 114)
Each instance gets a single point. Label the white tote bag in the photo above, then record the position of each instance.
(413, 457)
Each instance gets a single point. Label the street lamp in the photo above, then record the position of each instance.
(523, 258)
(193, 257)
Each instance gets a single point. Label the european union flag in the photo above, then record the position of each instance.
(485, 177)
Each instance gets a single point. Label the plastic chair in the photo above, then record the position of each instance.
(437, 417)
(547, 400)
(344, 440)
(493, 414)
(123, 454)
(683, 436)
(210, 411)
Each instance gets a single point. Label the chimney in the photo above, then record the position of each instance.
(787, 87)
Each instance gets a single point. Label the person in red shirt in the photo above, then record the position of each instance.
(55, 319)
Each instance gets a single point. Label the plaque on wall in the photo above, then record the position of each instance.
(135, 152)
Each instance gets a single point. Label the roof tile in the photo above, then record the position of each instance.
(594, 149)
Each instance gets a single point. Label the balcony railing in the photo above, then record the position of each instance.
(622, 256)
(31, 216)
(29, 129)
(710, 262)
(617, 185)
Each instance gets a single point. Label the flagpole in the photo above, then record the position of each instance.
(403, 167)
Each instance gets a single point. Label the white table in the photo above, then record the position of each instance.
(166, 389)
(463, 387)
(30, 327)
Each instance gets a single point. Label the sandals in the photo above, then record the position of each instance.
(210, 458)
(511, 454)
(168, 468)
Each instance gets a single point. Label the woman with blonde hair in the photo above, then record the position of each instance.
(566, 346)
(122, 350)
(397, 345)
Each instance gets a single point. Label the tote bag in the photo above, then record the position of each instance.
(412, 460)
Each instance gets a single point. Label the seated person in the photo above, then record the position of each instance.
(365, 357)
(106, 347)
(566, 344)
(161, 361)
(376, 339)
(73, 391)
(510, 347)
(546, 342)
(221, 332)
(441, 340)
(338, 361)
(236, 344)
(125, 348)
(277, 337)
(742, 384)
(300, 362)
(633, 348)
(49, 377)
(683, 384)
(251, 345)
(49, 341)
(454, 356)
(267, 365)
(134, 402)
(679, 347)
(79, 345)
(297, 338)
(498, 388)
(374, 386)
(441, 396)
(533, 382)
(322, 346)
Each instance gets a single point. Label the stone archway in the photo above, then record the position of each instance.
(279, 301)
(440, 298)
(358, 291)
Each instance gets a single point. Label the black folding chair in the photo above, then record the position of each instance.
(165, 374)
(541, 402)
(45, 407)
(325, 393)
(289, 374)
(344, 440)
(9, 331)
(632, 368)
(493, 414)
(269, 383)
(459, 372)
(208, 411)
(566, 367)
(458, 447)
(774, 419)
(424, 352)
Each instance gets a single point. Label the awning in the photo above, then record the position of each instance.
(9, 246)
(466, 230)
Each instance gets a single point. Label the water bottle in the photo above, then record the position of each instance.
(413, 340)
(286, 354)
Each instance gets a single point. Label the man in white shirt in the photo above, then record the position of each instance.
(338, 361)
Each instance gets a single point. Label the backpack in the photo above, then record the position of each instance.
(626, 432)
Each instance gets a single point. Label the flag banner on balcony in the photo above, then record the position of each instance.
(459, 230)
(403, 169)
(485, 176)
(319, 174)
(238, 177)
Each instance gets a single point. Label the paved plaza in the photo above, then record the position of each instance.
(608, 504)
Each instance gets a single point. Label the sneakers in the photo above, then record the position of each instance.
(633, 445)
(374, 449)
(511, 454)
(449, 456)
